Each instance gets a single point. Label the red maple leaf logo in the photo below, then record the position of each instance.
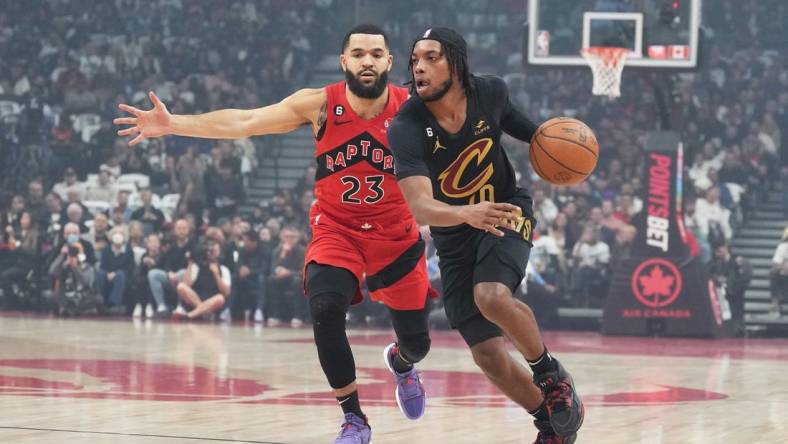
(656, 283)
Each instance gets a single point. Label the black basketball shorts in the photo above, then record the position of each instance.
(475, 256)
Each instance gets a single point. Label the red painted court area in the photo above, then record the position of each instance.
(140, 380)
(62, 379)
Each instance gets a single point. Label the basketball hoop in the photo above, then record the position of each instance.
(607, 65)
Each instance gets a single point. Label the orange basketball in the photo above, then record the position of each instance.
(564, 151)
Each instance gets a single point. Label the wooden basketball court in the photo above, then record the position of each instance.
(118, 381)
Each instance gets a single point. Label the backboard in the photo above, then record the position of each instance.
(658, 33)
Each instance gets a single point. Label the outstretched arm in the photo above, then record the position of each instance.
(303, 107)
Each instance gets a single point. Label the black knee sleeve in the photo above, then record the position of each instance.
(333, 348)
(414, 347)
(330, 291)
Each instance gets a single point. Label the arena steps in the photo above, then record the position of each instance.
(291, 153)
(756, 241)
(761, 233)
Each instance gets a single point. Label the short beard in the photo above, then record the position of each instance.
(367, 92)
(437, 95)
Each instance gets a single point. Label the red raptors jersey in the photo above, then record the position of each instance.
(355, 182)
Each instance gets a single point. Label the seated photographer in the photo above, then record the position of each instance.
(74, 275)
(24, 249)
(72, 235)
(206, 284)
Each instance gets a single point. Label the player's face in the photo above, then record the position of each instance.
(366, 62)
(431, 71)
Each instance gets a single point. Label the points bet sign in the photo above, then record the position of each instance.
(661, 289)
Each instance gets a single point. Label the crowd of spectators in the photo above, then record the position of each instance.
(157, 230)
(113, 234)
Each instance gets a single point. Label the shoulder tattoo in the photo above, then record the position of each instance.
(321, 117)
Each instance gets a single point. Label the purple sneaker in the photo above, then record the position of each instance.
(410, 394)
(354, 431)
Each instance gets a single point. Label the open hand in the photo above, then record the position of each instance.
(146, 124)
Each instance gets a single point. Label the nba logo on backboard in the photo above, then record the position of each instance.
(543, 43)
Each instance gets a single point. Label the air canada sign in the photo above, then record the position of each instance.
(661, 288)
(656, 284)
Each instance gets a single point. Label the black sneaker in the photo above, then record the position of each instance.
(562, 401)
(547, 434)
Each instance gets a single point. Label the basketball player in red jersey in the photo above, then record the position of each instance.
(361, 225)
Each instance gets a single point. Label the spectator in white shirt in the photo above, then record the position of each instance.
(713, 219)
(591, 257)
(105, 190)
(112, 167)
(544, 208)
(70, 183)
(711, 158)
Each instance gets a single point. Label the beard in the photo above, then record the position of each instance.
(437, 95)
(363, 91)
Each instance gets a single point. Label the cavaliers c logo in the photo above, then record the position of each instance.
(450, 177)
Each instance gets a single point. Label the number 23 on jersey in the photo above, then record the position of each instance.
(373, 185)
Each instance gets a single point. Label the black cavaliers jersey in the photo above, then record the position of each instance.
(469, 166)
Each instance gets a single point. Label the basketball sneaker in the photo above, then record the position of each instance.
(355, 430)
(179, 313)
(410, 394)
(563, 403)
(547, 434)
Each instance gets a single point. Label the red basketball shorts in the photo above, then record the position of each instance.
(389, 258)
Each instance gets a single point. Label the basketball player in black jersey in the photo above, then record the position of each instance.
(457, 179)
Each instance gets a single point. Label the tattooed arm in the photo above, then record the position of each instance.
(303, 107)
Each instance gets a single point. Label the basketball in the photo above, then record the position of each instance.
(564, 151)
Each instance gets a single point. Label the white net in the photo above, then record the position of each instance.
(607, 65)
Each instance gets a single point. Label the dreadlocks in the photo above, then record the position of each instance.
(454, 48)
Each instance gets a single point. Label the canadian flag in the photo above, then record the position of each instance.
(679, 51)
(662, 52)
